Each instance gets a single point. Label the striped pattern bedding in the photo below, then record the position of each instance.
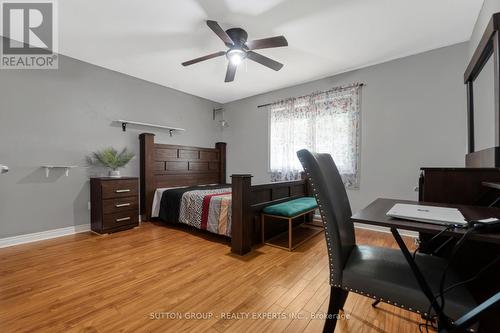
(201, 207)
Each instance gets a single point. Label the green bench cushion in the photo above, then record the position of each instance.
(291, 208)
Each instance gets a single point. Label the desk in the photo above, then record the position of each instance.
(375, 214)
(483, 288)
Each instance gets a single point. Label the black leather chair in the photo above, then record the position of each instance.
(379, 273)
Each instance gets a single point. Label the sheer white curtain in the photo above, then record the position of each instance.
(325, 122)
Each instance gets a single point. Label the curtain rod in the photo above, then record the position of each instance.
(354, 85)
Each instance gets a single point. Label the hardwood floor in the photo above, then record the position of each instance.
(136, 280)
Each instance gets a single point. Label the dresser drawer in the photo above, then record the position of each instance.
(119, 189)
(115, 220)
(118, 205)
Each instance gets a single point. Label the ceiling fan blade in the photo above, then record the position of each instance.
(220, 32)
(210, 56)
(268, 62)
(231, 72)
(266, 43)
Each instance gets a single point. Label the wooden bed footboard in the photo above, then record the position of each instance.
(248, 201)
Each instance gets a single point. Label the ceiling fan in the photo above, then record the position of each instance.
(239, 49)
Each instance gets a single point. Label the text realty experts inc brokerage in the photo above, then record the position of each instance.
(244, 316)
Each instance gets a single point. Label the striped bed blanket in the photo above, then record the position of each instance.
(203, 207)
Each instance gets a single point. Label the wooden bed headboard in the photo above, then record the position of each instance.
(165, 165)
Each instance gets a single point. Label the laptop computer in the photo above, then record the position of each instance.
(428, 214)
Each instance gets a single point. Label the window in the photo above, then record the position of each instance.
(326, 122)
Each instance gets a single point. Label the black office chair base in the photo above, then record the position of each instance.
(337, 301)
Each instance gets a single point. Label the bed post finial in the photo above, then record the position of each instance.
(147, 144)
(221, 146)
(241, 224)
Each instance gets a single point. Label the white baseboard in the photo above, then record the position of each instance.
(402, 232)
(54, 233)
(407, 233)
(38, 236)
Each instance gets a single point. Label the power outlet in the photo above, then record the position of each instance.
(88, 205)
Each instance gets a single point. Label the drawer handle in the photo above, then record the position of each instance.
(123, 219)
(122, 205)
(122, 191)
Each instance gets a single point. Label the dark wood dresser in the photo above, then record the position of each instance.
(114, 204)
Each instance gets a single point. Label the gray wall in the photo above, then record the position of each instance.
(413, 115)
(484, 92)
(484, 107)
(489, 8)
(60, 116)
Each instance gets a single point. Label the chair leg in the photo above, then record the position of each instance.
(337, 300)
(374, 304)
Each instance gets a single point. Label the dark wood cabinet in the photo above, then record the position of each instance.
(114, 204)
(464, 186)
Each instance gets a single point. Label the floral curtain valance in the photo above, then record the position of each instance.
(324, 122)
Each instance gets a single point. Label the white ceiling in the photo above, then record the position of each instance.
(149, 39)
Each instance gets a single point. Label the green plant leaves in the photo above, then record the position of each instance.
(110, 158)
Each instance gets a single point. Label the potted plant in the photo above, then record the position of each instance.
(110, 158)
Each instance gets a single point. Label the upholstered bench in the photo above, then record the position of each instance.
(291, 210)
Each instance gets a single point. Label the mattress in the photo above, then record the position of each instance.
(203, 207)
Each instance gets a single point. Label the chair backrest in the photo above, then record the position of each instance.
(334, 207)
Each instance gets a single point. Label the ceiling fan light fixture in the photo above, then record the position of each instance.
(240, 49)
(236, 56)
